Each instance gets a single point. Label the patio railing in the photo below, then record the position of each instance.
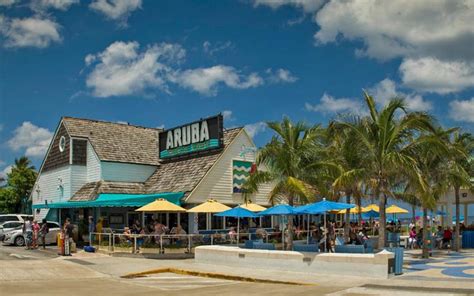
(181, 243)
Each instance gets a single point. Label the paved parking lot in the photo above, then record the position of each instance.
(38, 272)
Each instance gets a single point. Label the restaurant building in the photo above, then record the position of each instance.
(107, 170)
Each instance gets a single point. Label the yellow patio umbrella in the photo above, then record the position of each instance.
(210, 206)
(372, 207)
(393, 209)
(355, 210)
(252, 207)
(161, 205)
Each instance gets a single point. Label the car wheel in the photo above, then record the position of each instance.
(20, 241)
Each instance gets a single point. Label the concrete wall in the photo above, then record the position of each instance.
(217, 184)
(362, 265)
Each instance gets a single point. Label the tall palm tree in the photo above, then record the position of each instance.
(346, 163)
(458, 172)
(384, 136)
(286, 162)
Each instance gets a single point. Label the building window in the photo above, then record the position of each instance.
(62, 144)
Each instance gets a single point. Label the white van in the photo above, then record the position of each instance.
(14, 217)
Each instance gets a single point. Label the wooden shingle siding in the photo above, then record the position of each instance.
(79, 152)
(56, 158)
(126, 172)
(48, 183)
(78, 177)
(93, 165)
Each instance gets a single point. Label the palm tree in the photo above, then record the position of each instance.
(384, 136)
(346, 163)
(458, 173)
(286, 162)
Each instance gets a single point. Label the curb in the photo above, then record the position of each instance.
(212, 275)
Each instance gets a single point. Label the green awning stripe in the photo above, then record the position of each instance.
(115, 200)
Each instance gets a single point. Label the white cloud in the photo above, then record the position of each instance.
(307, 5)
(121, 69)
(29, 32)
(329, 104)
(386, 90)
(212, 49)
(255, 128)
(35, 139)
(206, 80)
(118, 10)
(7, 2)
(462, 110)
(43, 5)
(227, 114)
(399, 28)
(433, 75)
(4, 173)
(280, 76)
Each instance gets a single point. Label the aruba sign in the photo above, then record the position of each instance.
(193, 138)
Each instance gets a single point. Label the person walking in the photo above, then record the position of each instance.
(28, 232)
(43, 232)
(91, 229)
(36, 229)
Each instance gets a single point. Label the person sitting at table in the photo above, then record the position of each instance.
(126, 235)
(232, 234)
(261, 233)
(439, 237)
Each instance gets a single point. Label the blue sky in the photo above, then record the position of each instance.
(164, 63)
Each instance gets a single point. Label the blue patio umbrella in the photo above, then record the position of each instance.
(279, 210)
(237, 212)
(323, 207)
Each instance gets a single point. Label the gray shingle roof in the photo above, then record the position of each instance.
(91, 190)
(184, 175)
(117, 142)
(178, 176)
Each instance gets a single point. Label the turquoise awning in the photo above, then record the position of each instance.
(115, 200)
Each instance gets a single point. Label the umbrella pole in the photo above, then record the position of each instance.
(326, 234)
(238, 229)
(282, 232)
(307, 235)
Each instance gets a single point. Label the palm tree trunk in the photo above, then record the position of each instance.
(425, 253)
(457, 242)
(289, 241)
(382, 222)
(359, 214)
(413, 214)
(348, 220)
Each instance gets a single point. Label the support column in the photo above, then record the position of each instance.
(168, 220)
(179, 218)
(449, 209)
(466, 214)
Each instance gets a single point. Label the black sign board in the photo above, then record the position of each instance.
(192, 139)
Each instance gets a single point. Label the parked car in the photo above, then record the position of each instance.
(13, 217)
(9, 226)
(16, 237)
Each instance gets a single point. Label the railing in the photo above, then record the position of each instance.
(182, 243)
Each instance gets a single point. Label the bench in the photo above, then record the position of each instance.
(249, 243)
(350, 249)
(306, 248)
(263, 246)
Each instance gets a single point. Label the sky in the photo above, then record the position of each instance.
(166, 63)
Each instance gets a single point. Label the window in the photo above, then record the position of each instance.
(12, 224)
(62, 144)
(8, 218)
(52, 225)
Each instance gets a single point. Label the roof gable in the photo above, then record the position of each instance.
(117, 142)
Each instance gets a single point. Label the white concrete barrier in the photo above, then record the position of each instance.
(363, 265)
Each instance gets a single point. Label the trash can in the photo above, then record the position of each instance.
(398, 259)
(467, 239)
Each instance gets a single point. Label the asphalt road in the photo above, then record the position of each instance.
(41, 272)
